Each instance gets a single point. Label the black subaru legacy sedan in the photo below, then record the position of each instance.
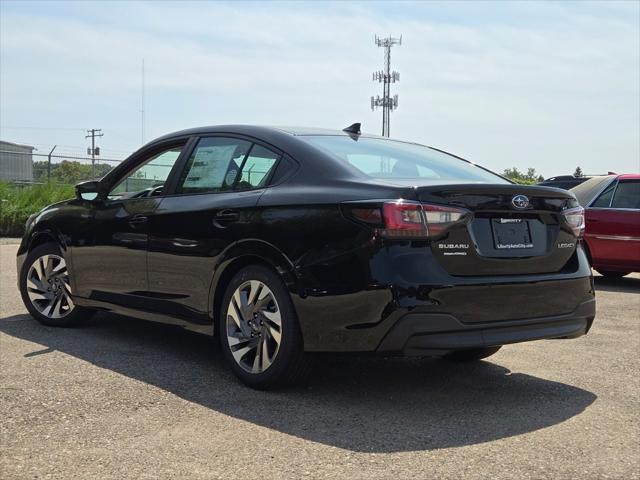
(284, 241)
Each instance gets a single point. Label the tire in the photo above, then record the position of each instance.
(45, 288)
(471, 354)
(249, 331)
(612, 274)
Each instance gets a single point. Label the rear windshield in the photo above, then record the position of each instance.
(380, 158)
(586, 191)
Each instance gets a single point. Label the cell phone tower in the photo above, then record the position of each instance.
(386, 77)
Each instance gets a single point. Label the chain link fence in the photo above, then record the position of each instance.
(27, 168)
(30, 181)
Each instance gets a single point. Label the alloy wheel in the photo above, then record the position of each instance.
(48, 286)
(254, 326)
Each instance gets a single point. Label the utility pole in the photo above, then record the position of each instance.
(386, 77)
(49, 164)
(93, 151)
(142, 107)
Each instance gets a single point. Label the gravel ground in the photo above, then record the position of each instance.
(121, 398)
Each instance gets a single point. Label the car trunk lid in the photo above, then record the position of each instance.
(512, 229)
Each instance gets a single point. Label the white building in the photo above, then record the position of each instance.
(16, 162)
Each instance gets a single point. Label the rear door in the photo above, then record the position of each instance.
(613, 226)
(211, 207)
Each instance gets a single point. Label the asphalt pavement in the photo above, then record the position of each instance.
(122, 398)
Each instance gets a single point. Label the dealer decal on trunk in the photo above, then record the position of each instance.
(454, 246)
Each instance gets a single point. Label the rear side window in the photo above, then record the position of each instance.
(627, 195)
(604, 200)
(257, 168)
(587, 191)
(283, 169)
(380, 158)
(214, 165)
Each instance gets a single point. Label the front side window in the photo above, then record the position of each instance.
(627, 195)
(149, 177)
(214, 165)
(391, 159)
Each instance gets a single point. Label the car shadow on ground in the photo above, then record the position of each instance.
(363, 404)
(618, 285)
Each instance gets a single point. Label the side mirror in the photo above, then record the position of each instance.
(88, 190)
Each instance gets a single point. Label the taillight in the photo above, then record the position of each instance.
(367, 215)
(439, 217)
(418, 220)
(403, 220)
(575, 219)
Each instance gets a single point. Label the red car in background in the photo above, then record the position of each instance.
(612, 217)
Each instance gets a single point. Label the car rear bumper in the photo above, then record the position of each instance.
(435, 333)
(405, 293)
(446, 317)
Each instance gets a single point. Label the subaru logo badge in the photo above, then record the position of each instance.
(520, 202)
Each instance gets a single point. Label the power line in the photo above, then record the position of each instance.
(4, 127)
(48, 145)
(386, 77)
(63, 157)
(79, 151)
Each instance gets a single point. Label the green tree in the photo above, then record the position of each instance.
(69, 172)
(517, 176)
(578, 172)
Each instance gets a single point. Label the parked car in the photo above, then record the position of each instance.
(563, 181)
(612, 211)
(287, 241)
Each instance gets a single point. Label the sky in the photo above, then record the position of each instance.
(548, 85)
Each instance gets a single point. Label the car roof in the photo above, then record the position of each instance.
(562, 177)
(254, 130)
(629, 176)
(317, 162)
(266, 132)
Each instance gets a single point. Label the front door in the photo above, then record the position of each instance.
(112, 265)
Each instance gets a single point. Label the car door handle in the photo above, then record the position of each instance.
(225, 217)
(138, 220)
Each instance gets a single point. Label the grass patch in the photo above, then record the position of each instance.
(17, 203)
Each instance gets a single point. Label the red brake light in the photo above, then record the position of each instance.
(410, 219)
(367, 215)
(403, 219)
(440, 218)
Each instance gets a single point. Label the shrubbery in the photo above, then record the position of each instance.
(531, 177)
(17, 203)
(69, 172)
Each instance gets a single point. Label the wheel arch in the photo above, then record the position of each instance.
(40, 233)
(240, 255)
(41, 237)
(587, 251)
(36, 238)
